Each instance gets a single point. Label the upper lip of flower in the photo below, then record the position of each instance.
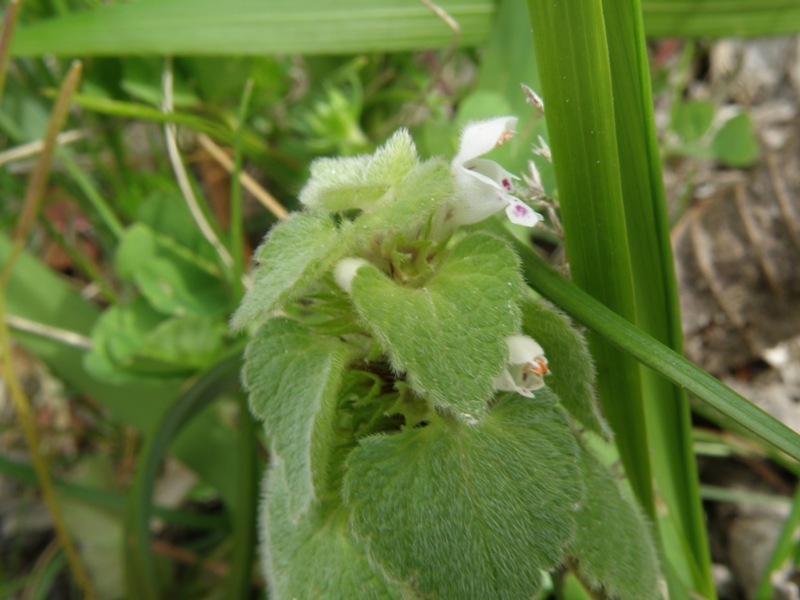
(483, 185)
(525, 368)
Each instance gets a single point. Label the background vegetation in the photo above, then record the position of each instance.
(136, 182)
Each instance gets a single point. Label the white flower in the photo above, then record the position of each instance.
(482, 186)
(526, 367)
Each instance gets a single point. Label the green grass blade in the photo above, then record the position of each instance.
(783, 549)
(255, 27)
(237, 27)
(708, 390)
(721, 18)
(243, 514)
(139, 559)
(575, 79)
(657, 311)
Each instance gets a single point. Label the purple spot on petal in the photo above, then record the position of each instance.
(521, 210)
(506, 184)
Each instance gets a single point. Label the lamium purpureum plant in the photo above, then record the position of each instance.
(429, 421)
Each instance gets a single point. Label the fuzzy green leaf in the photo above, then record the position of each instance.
(339, 184)
(317, 557)
(295, 253)
(412, 201)
(448, 334)
(293, 377)
(624, 570)
(469, 511)
(571, 365)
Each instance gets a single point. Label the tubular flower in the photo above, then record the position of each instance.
(482, 186)
(526, 367)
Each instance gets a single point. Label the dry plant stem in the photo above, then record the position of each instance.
(9, 20)
(217, 568)
(251, 185)
(33, 148)
(454, 27)
(63, 336)
(181, 175)
(22, 403)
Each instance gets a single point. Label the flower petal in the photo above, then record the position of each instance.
(522, 214)
(522, 349)
(480, 137)
(490, 170)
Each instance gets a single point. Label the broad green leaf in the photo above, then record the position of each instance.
(165, 212)
(448, 333)
(358, 182)
(571, 365)
(735, 144)
(623, 569)
(295, 253)
(317, 556)
(173, 279)
(469, 511)
(293, 377)
(193, 341)
(691, 120)
(135, 343)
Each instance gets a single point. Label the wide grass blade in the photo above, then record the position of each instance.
(236, 27)
(256, 27)
(575, 79)
(669, 427)
(720, 18)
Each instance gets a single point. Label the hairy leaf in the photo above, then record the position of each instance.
(624, 569)
(448, 334)
(412, 201)
(571, 365)
(295, 253)
(293, 377)
(469, 511)
(357, 182)
(316, 557)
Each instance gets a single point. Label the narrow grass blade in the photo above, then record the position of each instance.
(575, 79)
(243, 513)
(711, 392)
(139, 558)
(785, 545)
